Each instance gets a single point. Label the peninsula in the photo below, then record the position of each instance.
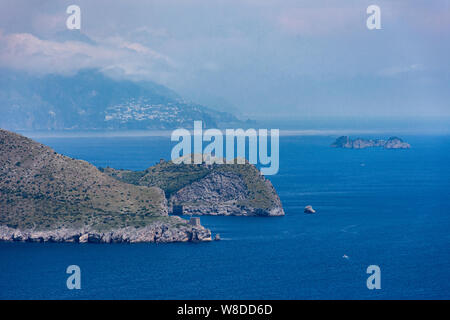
(208, 189)
(48, 197)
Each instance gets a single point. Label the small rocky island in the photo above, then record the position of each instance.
(309, 209)
(48, 197)
(359, 143)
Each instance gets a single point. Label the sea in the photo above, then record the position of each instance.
(374, 207)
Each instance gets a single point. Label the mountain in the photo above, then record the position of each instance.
(208, 189)
(90, 100)
(45, 196)
(391, 143)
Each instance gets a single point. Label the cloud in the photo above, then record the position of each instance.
(314, 56)
(141, 50)
(25, 51)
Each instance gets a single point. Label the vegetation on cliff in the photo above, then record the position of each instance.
(41, 189)
(208, 189)
(46, 196)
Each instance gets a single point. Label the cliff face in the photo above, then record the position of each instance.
(227, 189)
(43, 191)
(391, 143)
(174, 230)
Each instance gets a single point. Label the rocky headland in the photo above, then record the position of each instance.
(208, 189)
(359, 143)
(45, 196)
(48, 197)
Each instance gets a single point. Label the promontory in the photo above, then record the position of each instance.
(49, 197)
(208, 189)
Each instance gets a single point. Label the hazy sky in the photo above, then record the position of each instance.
(266, 59)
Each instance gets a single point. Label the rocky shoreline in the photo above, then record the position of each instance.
(155, 233)
(230, 209)
(225, 194)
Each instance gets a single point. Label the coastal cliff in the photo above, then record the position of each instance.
(209, 189)
(45, 196)
(159, 232)
(391, 143)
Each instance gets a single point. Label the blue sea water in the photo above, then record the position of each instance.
(389, 208)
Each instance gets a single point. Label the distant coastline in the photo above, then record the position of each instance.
(360, 143)
(167, 133)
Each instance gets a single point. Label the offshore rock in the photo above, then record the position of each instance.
(359, 143)
(309, 209)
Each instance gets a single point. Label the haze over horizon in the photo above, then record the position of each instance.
(260, 59)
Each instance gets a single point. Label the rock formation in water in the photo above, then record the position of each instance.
(209, 189)
(391, 143)
(309, 209)
(45, 196)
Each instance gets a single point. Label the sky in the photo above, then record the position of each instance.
(261, 59)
